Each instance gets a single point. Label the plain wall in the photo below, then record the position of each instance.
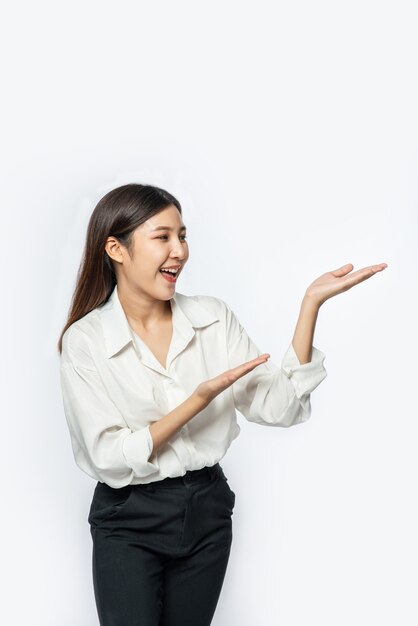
(288, 132)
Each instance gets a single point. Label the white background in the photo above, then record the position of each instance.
(288, 132)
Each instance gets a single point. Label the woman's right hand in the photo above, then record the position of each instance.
(209, 389)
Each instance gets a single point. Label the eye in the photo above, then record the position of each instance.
(165, 237)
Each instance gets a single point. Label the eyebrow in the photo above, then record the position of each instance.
(167, 228)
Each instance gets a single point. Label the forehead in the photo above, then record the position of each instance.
(167, 219)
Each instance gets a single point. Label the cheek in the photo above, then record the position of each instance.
(148, 266)
(153, 258)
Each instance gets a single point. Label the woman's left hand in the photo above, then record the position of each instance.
(332, 283)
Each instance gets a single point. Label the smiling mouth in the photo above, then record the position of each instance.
(170, 276)
(172, 272)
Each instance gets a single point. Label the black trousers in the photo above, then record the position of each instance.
(160, 551)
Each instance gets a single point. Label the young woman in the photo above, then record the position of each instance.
(151, 381)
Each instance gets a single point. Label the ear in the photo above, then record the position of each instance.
(114, 249)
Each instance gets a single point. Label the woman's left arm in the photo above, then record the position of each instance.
(326, 286)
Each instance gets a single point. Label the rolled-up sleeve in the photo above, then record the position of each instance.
(104, 446)
(271, 395)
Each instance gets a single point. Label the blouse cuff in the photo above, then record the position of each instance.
(137, 448)
(306, 377)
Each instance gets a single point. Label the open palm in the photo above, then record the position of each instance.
(332, 283)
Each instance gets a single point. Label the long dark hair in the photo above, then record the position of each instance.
(117, 215)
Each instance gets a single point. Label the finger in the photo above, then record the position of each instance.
(259, 359)
(377, 267)
(343, 270)
(366, 272)
(240, 370)
(244, 368)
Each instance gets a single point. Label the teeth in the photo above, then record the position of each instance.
(172, 271)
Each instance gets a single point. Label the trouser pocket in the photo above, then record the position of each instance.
(228, 488)
(107, 503)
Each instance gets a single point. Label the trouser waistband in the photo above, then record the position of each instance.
(191, 476)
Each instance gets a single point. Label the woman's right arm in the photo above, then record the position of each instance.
(164, 429)
(103, 444)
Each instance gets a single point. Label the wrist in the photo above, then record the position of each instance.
(311, 303)
(198, 401)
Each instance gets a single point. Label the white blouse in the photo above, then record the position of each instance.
(113, 388)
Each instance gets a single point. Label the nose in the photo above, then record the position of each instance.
(178, 252)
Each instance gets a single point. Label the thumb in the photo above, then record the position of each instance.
(344, 269)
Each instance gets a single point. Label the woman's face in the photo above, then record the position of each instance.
(160, 242)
